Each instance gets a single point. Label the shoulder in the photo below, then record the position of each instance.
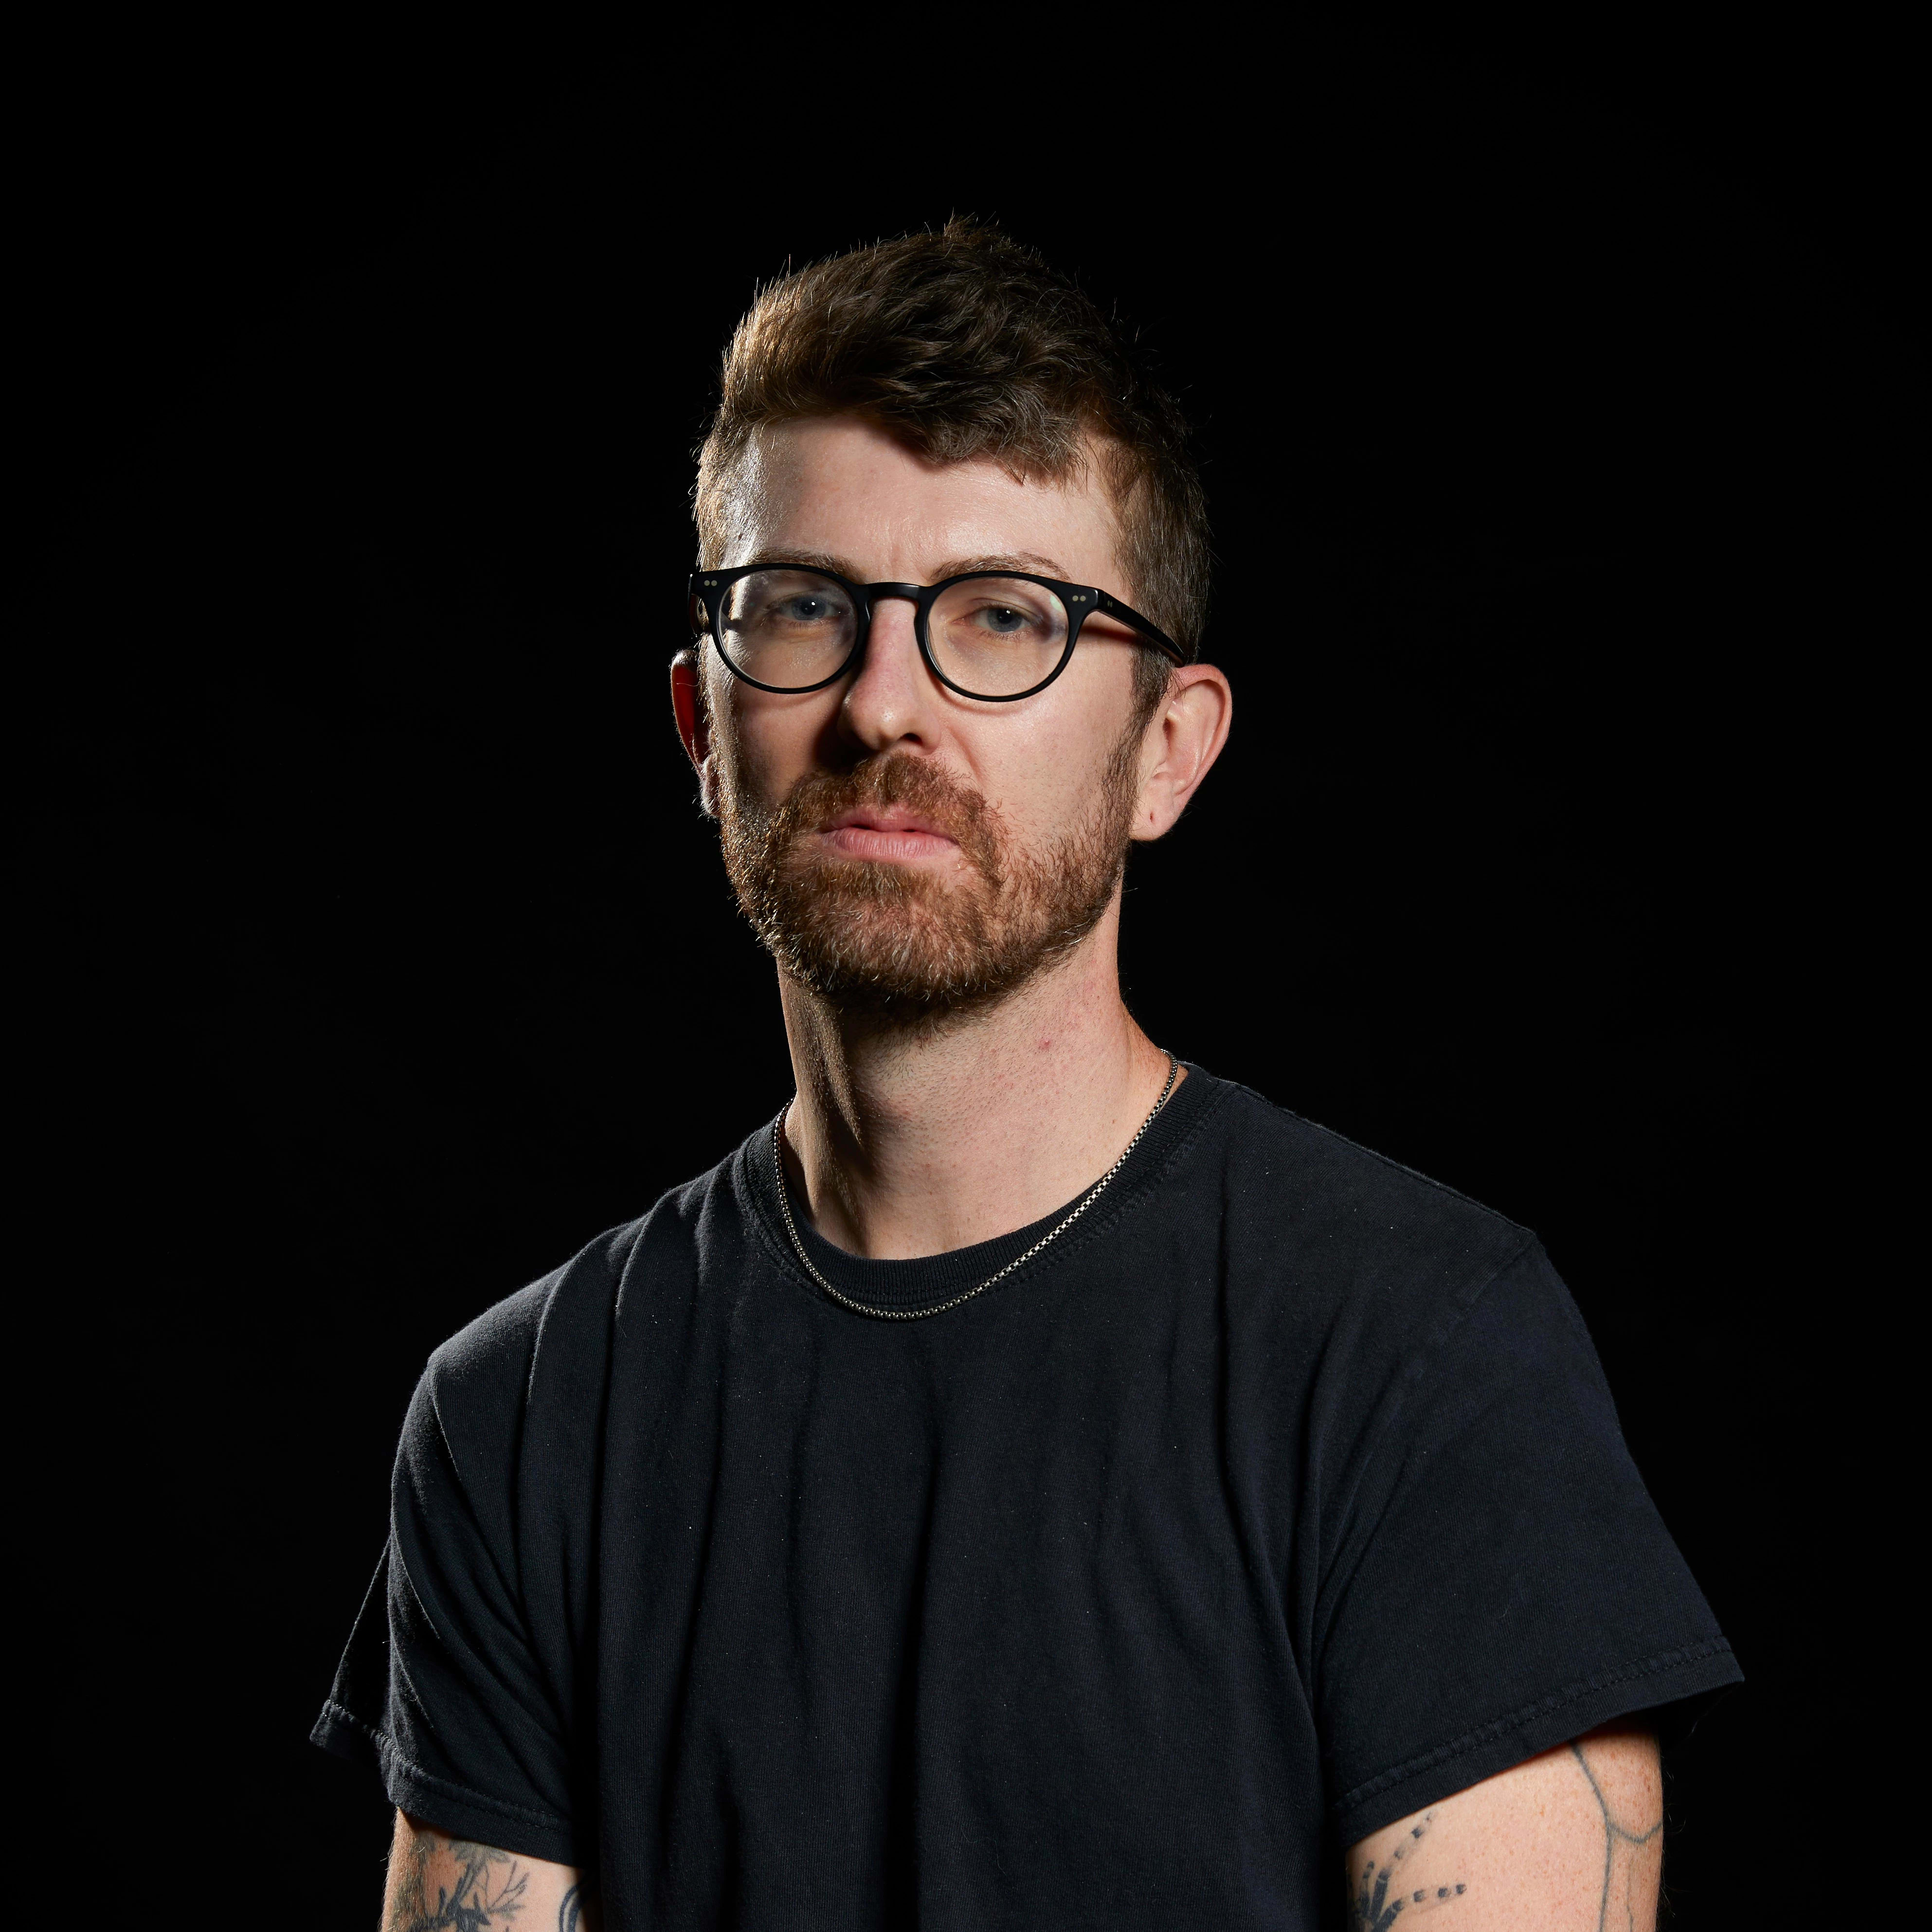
(493, 1354)
(502, 1344)
(537, 1358)
(1345, 1222)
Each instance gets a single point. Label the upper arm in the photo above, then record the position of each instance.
(1574, 1838)
(437, 1882)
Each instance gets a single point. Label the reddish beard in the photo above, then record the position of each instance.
(898, 938)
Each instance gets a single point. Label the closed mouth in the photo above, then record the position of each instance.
(889, 820)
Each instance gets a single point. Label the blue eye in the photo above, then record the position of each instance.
(996, 636)
(811, 609)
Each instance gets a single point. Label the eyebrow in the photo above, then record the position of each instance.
(811, 560)
(1023, 559)
(959, 566)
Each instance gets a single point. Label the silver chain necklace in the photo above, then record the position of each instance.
(1053, 1234)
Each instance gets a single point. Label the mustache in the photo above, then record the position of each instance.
(961, 812)
(908, 940)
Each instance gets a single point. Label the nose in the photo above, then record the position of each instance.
(892, 701)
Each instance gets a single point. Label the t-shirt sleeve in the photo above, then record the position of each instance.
(442, 1686)
(1502, 1582)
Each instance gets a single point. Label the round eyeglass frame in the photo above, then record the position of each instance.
(1080, 601)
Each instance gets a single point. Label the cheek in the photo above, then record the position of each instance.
(1052, 761)
(769, 743)
(1044, 781)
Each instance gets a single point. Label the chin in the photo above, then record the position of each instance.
(915, 945)
(867, 934)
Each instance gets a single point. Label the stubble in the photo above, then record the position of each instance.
(905, 941)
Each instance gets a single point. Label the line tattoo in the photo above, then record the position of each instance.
(1614, 1834)
(570, 1913)
(1372, 1909)
(477, 1903)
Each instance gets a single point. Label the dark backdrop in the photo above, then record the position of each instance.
(1554, 417)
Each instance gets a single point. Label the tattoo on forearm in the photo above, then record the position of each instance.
(1373, 1910)
(481, 1899)
(1616, 1835)
(570, 1913)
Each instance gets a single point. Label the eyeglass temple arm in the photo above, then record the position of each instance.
(1114, 608)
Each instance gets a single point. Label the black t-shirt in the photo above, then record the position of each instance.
(1280, 1496)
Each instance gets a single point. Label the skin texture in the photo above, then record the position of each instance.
(914, 1138)
(1570, 1841)
(441, 1884)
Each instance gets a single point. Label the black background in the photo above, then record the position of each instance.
(1554, 410)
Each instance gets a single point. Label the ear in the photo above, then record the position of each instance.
(1183, 738)
(693, 725)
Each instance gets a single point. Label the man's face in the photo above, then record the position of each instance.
(895, 844)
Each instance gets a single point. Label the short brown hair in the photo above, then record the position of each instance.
(964, 343)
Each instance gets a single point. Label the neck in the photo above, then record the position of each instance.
(909, 1139)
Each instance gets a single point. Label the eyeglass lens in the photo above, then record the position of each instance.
(992, 636)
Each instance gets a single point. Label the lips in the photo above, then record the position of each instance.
(892, 836)
(898, 811)
(888, 819)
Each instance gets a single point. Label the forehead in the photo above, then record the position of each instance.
(843, 486)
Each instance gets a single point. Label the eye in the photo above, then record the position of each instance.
(1006, 620)
(995, 636)
(812, 609)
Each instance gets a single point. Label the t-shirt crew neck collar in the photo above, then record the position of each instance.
(914, 1287)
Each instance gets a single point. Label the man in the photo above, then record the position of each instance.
(1033, 1482)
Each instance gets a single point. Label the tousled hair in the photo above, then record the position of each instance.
(963, 343)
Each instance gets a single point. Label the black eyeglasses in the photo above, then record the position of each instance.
(995, 634)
